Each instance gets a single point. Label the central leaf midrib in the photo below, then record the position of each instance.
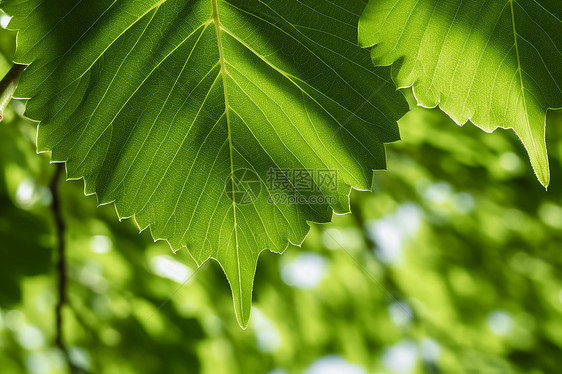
(522, 85)
(223, 73)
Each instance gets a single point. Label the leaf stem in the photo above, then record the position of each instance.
(8, 86)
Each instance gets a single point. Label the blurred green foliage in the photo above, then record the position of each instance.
(451, 265)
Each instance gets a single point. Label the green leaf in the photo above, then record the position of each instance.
(178, 111)
(496, 63)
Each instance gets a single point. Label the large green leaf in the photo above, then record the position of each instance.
(179, 112)
(496, 63)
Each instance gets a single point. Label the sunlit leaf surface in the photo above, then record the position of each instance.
(495, 63)
(178, 111)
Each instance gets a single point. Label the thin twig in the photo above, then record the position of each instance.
(60, 228)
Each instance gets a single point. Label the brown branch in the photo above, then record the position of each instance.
(60, 228)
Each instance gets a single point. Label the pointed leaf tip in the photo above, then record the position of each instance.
(240, 271)
(542, 170)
